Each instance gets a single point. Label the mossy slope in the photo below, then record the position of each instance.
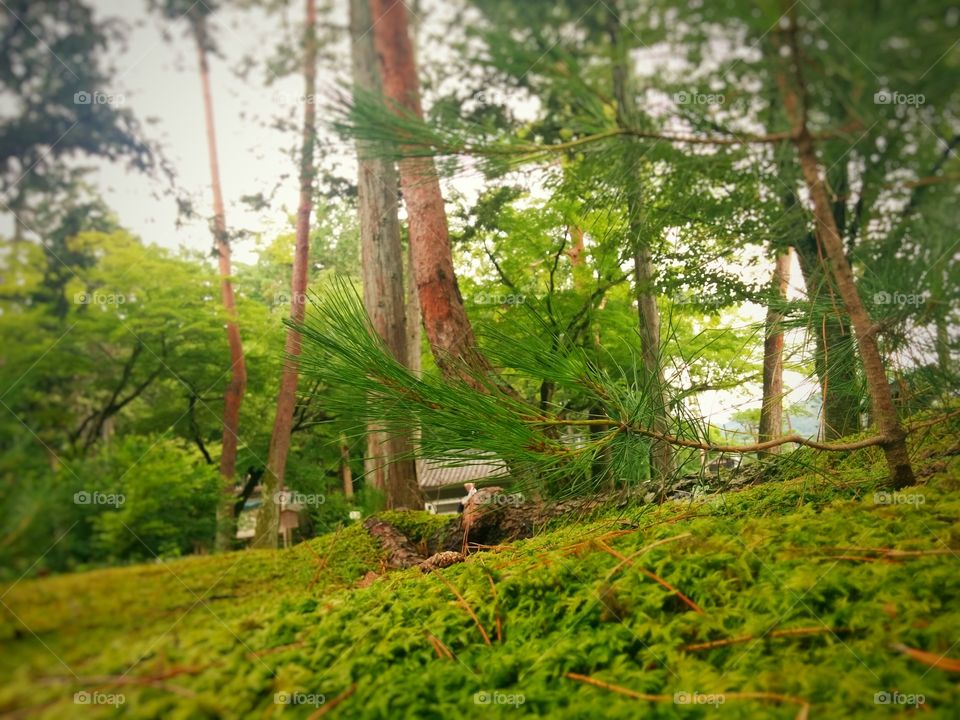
(222, 636)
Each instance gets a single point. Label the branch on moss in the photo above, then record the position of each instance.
(660, 581)
(793, 632)
(775, 697)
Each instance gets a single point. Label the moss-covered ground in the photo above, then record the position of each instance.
(773, 602)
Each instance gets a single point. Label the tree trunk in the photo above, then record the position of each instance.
(389, 455)
(414, 320)
(661, 460)
(771, 407)
(827, 233)
(346, 474)
(444, 316)
(835, 361)
(226, 521)
(268, 518)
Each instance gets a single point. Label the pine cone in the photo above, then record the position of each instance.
(441, 560)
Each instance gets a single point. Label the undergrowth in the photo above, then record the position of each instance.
(761, 602)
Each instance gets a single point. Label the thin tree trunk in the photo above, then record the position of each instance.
(828, 234)
(346, 474)
(771, 407)
(233, 398)
(414, 320)
(835, 360)
(389, 455)
(943, 347)
(444, 316)
(268, 519)
(648, 312)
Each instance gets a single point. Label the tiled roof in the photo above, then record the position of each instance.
(433, 474)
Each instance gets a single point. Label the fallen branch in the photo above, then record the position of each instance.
(327, 707)
(891, 553)
(465, 605)
(641, 551)
(496, 612)
(154, 681)
(941, 662)
(873, 441)
(624, 559)
(442, 650)
(794, 632)
(776, 697)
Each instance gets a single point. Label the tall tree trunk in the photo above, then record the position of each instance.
(226, 520)
(771, 407)
(943, 347)
(346, 474)
(413, 318)
(444, 316)
(835, 359)
(661, 460)
(828, 234)
(268, 519)
(389, 455)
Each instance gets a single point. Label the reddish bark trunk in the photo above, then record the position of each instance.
(444, 317)
(233, 396)
(273, 481)
(828, 235)
(389, 456)
(771, 407)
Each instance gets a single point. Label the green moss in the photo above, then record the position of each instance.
(229, 632)
(419, 526)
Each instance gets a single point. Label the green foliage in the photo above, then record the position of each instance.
(756, 562)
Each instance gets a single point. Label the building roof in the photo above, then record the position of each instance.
(434, 474)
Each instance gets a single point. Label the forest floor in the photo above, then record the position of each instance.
(815, 595)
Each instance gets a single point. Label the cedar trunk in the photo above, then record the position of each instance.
(233, 397)
(835, 360)
(771, 407)
(828, 235)
(268, 519)
(389, 462)
(661, 454)
(444, 316)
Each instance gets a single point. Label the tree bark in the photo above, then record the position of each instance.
(834, 357)
(233, 397)
(771, 407)
(444, 316)
(661, 454)
(828, 235)
(389, 461)
(268, 519)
